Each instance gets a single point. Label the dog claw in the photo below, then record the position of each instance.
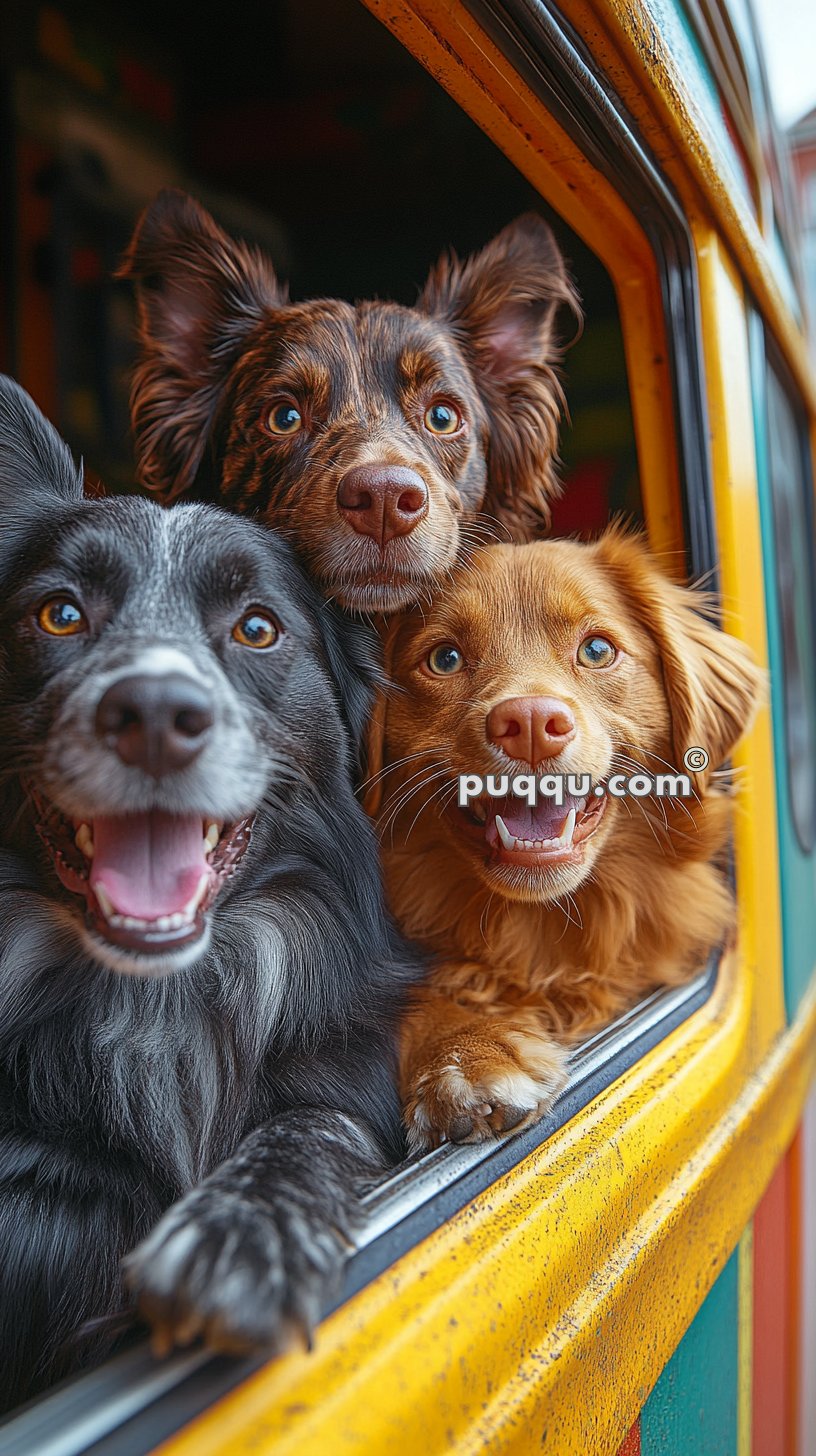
(460, 1128)
(508, 1117)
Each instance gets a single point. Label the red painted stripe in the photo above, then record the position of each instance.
(775, 1312)
(796, 1239)
(631, 1446)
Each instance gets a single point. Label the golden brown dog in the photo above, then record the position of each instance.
(547, 921)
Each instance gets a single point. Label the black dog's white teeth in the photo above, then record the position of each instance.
(163, 923)
(83, 839)
(212, 834)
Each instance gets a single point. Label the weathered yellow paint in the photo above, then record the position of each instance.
(534, 1309)
(745, 1343)
(728, 381)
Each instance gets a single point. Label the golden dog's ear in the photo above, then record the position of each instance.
(375, 744)
(713, 685)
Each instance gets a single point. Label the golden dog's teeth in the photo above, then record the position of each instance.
(507, 839)
(211, 838)
(569, 828)
(83, 839)
(582, 803)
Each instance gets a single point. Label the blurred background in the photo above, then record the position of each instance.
(305, 127)
(788, 33)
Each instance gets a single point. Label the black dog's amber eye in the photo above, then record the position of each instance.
(60, 617)
(256, 629)
(284, 418)
(442, 418)
(596, 652)
(445, 660)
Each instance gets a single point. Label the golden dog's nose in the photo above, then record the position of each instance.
(531, 729)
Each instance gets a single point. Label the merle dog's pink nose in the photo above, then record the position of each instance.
(155, 723)
(531, 729)
(382, 501)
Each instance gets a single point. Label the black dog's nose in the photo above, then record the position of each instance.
(156, 723)
(383, 501)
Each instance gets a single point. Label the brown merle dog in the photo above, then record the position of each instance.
(377, 437)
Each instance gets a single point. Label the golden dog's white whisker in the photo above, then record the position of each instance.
(389, 768)
(389, 821)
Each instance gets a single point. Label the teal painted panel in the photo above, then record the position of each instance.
(692, 1410)
(672, 23)
(797, 868)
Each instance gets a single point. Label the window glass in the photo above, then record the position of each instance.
(793, 520)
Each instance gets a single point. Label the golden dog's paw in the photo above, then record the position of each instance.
(482, 1083)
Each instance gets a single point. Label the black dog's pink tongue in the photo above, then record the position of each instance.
(148, 865)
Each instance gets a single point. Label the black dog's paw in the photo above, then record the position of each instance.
(243, 1274)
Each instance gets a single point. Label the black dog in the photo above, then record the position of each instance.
(197, 976)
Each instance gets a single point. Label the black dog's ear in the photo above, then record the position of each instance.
(501, 305)
(354, 656)
(199, 294)
(38, 474)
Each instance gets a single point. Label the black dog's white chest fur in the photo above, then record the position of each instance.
(234, 1060)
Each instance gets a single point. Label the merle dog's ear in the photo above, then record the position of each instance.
(199, 294)
(355, 659)
(38, 474)
(502, 306)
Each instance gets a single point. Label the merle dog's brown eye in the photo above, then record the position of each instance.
(61, 617)
(443, 418)
(256, 629)
(596, 652)
(284, 418)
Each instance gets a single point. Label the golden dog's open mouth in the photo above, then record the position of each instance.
(148, 879)
(540, 835)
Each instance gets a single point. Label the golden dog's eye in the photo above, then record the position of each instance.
(61, 617)
(443, 418)
(284, 418)
(596, 652)
(256, 629)
(445, 659)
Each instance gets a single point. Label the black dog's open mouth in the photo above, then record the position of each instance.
(148, 879)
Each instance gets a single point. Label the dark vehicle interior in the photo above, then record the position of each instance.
(305, 127)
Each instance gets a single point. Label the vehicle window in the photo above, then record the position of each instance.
(791, 494)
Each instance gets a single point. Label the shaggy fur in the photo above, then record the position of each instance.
(534, 955)
(221, 346)
(242, 1077)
